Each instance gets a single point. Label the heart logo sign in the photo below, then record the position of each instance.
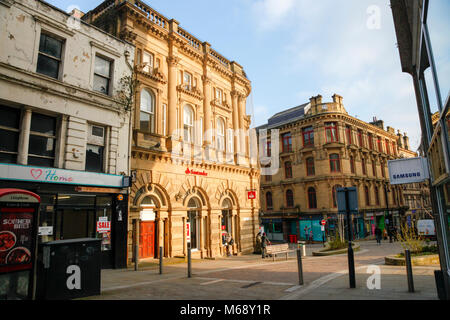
(36, 173)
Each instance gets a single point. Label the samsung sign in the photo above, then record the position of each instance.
(408, 170)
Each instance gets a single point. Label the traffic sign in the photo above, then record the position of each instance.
(323, 222)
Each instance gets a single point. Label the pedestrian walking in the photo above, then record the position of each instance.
(378, 235)
(230, 242)
(264, 242)
(311, 236)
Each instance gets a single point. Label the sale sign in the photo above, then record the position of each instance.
(103, 225)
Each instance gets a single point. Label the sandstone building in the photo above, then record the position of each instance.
(322, 148)
(190, 154)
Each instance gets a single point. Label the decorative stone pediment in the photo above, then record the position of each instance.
(154, 74)
(190, 91)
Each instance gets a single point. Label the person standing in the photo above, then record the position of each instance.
(311, 236)
(264, 242)
(378, 235)
(229, 243)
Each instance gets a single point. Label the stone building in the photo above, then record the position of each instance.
(64, 126)
(322, 148)
(190, 154)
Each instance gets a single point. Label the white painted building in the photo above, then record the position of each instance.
(64, 129)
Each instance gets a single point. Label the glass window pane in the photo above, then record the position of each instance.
(8, 158)
(41, 146)
(101, 84)
(43, 124)
(9, 117)
(47, 66)
(102, 67)
(50, 46)
(94, 158)
(9, 140)
(145, 121)
(41, 162)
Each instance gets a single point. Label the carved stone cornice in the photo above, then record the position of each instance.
(191, 91)
(127, 34)
(223, 105)
(155, 74)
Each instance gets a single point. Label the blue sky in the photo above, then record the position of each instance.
(295, 49)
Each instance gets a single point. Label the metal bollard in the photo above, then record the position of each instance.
(300, 267)
(409, 273)
(189, 262)
(160, 260)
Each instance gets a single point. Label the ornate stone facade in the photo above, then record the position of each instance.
(190, 91)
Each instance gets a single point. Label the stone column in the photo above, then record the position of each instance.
(242, 145)
(24, 138)
(172, 62)
(234, 102)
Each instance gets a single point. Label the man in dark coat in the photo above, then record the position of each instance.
(378, 234)
(264, 242)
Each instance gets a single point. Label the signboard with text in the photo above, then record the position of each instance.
(408, 170)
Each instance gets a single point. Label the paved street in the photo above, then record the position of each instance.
(251, 278)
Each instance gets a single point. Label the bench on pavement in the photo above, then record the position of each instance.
(275, 249)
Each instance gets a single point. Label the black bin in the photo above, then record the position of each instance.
(69, 269)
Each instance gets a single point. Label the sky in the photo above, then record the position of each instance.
(292, 50)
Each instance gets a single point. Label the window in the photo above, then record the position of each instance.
(220, 134)
(288, 170)
(312, 202)
(269, 204)
(360, 140)
(331, 132)
(348, 134)
(9, 134)
(289, 199)
(147, 114)
(187, 80)
(188, 123)
(380, 148)
(269, 149)
(147, 60)
(49, 56)
(383, 174)
(334, 194)
(367, 196)
(41, 149)
(95, 149)
(308, 137)
(394, 149)
(218, 94)
(374, 168)
(370, 141)
(287, 142)
(230, 142)
(334, 163)
(102, 75)
(310, 171)
(363, 165)
(377, 197)
(164, 119)
(352, 164)
(388, 150)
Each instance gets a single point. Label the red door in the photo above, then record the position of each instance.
(147, 240)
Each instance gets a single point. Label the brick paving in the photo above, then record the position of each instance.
(249, 277)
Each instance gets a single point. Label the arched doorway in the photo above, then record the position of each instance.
(227, 216)
(193, 223)
(147, 228)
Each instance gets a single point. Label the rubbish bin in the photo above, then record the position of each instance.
(69, 269)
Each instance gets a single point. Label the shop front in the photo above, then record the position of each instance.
(76, 204)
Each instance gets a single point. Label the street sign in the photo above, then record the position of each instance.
(408, 170)
(323, 222)
(352, 199)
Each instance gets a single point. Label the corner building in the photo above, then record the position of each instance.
(189, 99)
(322, 148)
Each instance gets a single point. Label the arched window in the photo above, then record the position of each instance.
(188, 122)
(310, 171)
(312, 202)
(367, 196)
(289, 199)
(147, 114)
(193, 216)
(269, 204)
(227, 216)
(220, 134)
(335, 165)
(334, 194)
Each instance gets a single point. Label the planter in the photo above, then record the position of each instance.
(355, 247)
(424, 260)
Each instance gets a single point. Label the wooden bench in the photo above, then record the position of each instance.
(275, 249)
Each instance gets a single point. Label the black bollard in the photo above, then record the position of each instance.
(160, 260)
(189, 261)
(409, 273)
(300, 267)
